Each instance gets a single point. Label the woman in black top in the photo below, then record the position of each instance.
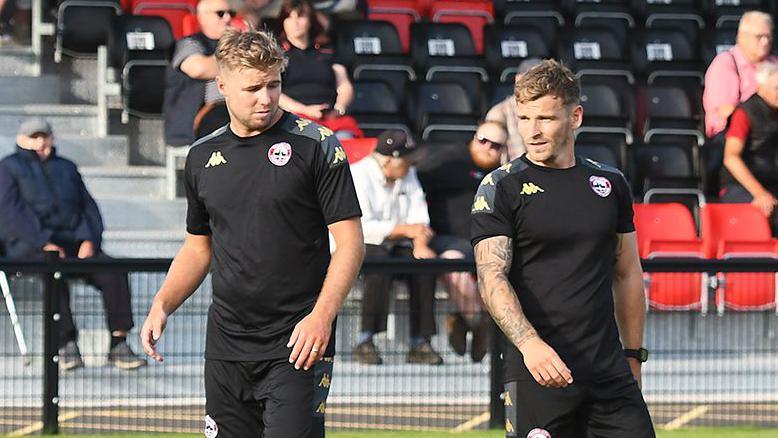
(314, 86)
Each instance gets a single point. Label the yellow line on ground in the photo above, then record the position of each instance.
(16, 422)
(472, 423)
(693, 414)
(743, 417)
(38, 425)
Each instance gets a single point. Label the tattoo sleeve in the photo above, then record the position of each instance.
(493, 257)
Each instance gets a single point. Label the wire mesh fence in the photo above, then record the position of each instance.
(705, 369)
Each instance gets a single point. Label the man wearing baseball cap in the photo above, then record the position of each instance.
(44, 206)
(395, 223)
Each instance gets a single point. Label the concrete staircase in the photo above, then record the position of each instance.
(139, 221)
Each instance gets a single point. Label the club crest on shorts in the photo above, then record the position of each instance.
(538, 432)
(280, 153)
(211, 429)
(600, 185)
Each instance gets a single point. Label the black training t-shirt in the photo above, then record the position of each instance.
(266, 201)
(564, 225)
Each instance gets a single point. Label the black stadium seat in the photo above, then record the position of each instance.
(376, 108)
(594, 51)
(601, 153)
(83, 26)
(616, 15)
(658, 53)
(506, 46)
(540, 14)
(140, 47)
(716, 41)
(663, 166)
(441, 106)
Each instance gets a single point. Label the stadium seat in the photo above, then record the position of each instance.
(664, 231)
(506, 46)
(716, 41)
(692, 199)
(615, 15)
(375, 106)
(726, 14)
(740, 230)
(500, 90)
(663, 166)
(616, 142)
(446, 52)
(474, 14)
(137, 37)
(358, 148)
(539, 14)
(83, 26)
(665, 53)
(143, 87)
(594, 51)
(401, 13)
(608, 109)
(670, 110)
(174, 11)
(372, 50)
(441, 106)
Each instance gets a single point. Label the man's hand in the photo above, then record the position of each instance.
(635, 367)
(309, 340)
(544, 364)
(423, 252)
(413, 232)
(53, 247)
(317, 111)
(86, 249)
(765, 202)
(152, 332)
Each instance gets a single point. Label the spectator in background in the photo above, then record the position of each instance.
(314, 86)
(7, 9)
(450, 176)
(252, 11)
(192, 101)
(44, 206)
(751, 150)
(505, 113)
(730, 80)
(395, 223)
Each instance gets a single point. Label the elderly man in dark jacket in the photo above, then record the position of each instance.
(44, 206)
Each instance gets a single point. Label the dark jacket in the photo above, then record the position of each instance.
(44, 201)
(760, 151)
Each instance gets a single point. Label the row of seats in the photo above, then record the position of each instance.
(728, 231)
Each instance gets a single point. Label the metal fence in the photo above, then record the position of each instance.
(704, 369)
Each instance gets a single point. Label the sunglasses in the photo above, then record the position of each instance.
(222, 12)
(492, 144)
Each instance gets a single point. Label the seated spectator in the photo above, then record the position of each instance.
(7, 9)
(253, 11)
(46, 207)
(505, 114)
(395, 223)
(730, 80)
(751, 151)
(450, 176)
(314, 86)
(193, 105)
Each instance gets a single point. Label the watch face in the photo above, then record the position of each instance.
(643, 354)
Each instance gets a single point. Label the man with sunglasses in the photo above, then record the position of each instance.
(450, 176)
(191, 96)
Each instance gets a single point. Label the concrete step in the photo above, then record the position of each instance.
(65, 119)
(131, 181)
(84, 151)
(158, 243)
(142, 213)
(30, 89)
(18, 61)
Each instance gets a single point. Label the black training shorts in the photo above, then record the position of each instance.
(268, 398)
(612, 408)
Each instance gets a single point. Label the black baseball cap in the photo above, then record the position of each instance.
(395, 143)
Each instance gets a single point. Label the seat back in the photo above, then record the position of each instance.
(136, 37)
(358, 148)
(506, 46)
(737, 222)
(473, 14)
(84, 25)
(590, 44)
(400, 13)
(367, 38)
(670, 221)
(372, 96)
(174, 11)
(440, 40)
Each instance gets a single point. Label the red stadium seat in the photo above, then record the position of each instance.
(740, 230)
(174, 11)
(473, 14)
(358, 148)
(668, 230)
(401, 13)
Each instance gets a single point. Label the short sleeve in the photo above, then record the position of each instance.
(185, 48)
(334, 185)
(491, 215)
(739, 125)
(626, 222)
(197, 218)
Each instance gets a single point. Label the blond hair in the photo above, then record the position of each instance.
(549, 78)
(251, 49)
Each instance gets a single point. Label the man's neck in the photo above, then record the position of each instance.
(242, 131)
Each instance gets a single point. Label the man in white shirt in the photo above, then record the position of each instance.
(395, 223)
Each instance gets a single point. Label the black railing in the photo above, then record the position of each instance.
(53, 268)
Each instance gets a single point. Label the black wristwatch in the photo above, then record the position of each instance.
(641, 354)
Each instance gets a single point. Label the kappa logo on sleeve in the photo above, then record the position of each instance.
(480, 204)
(211, 428)
(340, 155)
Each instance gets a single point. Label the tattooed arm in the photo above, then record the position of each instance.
(493, 258)
(629, 296)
